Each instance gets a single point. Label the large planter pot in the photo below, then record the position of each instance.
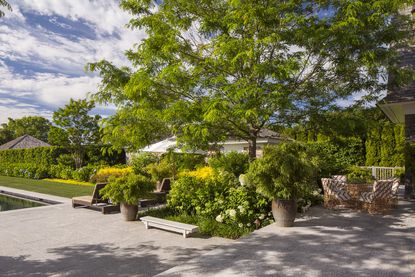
(129, 211)
(284, 212)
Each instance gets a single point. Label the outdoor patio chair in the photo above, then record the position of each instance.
(335, 193)
(339, 178)
(381, 198)
(95, 201)
(159, 194)
(395, 191)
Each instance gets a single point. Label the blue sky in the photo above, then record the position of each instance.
(44, 46)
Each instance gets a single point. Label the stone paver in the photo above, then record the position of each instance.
(62, 241)
(324, 243)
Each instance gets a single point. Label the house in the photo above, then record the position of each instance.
(399, 106)
(24, 142)
(265, 137)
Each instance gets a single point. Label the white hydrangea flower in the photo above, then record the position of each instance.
(248, 224)
(241, 209)
(240, 225)
(316, 193)
(262, 216)
(232, 213)
(219, 218)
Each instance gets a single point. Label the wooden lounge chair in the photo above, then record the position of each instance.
(159, 194)
(381, 198)
(95, 201)
(334, 193)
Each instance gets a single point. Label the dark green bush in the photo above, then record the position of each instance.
(84, 173)
(233, 162)
(358, 175)
(142, 160)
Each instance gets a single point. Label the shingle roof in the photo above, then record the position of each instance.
(24, 142)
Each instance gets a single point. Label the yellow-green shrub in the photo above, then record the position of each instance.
(103, 174)
(200, 173)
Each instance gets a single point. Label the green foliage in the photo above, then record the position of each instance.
(286, 171)
(358, 175)
(24, 170)
(207, 226)
(66, 160)
(231, 69)
(219, 197)
(35, 126)
(127, 189)
(77, 128)
(184, 161)
(161, 170)
(233, 162)
(41, 155)
(142, 160)
(102, 175)
(84, 174)
(336, 156)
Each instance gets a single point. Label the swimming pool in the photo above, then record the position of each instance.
(8, 202)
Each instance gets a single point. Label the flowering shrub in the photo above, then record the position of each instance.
(70, 182)
(24, 170)
(103, 174)
(220, 197)
(200, 173)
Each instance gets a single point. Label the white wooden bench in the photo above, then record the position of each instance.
(169, 225)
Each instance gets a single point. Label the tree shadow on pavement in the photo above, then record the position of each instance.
(325, 243)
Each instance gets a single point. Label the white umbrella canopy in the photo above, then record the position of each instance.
(169, 144)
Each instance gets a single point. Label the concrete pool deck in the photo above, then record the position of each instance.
(61, 241)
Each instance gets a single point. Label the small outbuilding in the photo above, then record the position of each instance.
(24, 142)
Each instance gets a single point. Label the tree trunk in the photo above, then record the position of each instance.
(252, 148)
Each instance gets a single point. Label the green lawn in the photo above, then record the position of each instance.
(58, 189)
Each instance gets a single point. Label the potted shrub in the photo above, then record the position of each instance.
(284, 174)
(126, 191)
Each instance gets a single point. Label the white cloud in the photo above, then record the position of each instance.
(19, 112)
(54, 62)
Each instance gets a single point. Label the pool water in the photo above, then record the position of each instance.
(12, 203)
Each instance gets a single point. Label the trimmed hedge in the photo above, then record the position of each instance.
(50, 155)
(40, 155)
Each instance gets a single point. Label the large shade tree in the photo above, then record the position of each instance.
(75, 128)
(209, 69)
(35, 126)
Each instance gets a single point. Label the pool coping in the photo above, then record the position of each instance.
(49, 200)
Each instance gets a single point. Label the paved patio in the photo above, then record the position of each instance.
(61, 241)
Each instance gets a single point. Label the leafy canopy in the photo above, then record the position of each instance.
(212, 69)
(35, 126)
(75, 128)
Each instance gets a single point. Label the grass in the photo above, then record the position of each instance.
(46, 187)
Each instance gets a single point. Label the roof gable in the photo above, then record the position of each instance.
(24, 142)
